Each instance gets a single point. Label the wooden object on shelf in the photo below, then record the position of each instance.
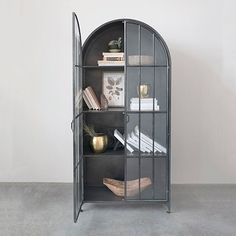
(132, 186)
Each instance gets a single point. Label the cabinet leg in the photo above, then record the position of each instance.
(168, 207)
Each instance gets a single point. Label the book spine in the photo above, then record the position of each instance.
(98, 106)
(118, 135)
(90, 99)
(113, 54)
(87, 101)
(113, 58)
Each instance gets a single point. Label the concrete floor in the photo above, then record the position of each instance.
(46, 210)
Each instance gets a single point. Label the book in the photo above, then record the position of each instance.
(148, 144)
(113, 54)
(145, 104)
(143, 146)
(119, 136)
(94, 97)
(144, 100)
(90, 100)
(110, 63)
(145, 137)
(87, 101)
(144, 107)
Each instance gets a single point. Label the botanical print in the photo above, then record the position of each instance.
(113, 88)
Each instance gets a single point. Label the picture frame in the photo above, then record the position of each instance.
(113, 87)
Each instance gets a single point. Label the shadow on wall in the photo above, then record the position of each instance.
(203, 119)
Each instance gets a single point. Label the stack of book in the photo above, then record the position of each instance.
(90, 99)
(146, 104)
(112, 59)
(144, 143)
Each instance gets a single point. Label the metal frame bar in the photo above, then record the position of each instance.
(126, 104)
(153, 119)
(139, 114)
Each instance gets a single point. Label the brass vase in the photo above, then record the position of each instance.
(99, 143)
(143, 90)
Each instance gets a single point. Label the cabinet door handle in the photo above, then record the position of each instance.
(127, 118)
(72, 126)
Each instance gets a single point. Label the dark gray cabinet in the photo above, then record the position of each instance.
(147, 61)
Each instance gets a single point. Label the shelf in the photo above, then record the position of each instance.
(104, 67)
(118, 109)
(130, 111)
(135, 154)
(121, 154)
(148, 66)
(119, 67)
(100, 194)
(108, 153)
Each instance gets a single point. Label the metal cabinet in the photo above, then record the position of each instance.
(147, 61)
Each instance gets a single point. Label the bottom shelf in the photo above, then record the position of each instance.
(100, 194)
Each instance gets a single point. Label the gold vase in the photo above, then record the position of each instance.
(143, 90)
(99, 143)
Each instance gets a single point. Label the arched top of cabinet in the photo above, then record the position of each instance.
(113, 30)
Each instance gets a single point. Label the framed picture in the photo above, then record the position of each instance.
(113, 88)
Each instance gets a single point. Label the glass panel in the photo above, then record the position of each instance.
(132, 174)
(160, 133)
(160, 53)
(146, 181)
(77, 109)
(161, 76)
(141, 89)
(132, 84)
(77, 67)
(133, 44)
(160, 178)
(78, 95)
(78, 189)
(78, 137)
(147, 47)
(140, 46)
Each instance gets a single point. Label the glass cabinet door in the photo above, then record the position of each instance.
(77, 118)
(146, 110)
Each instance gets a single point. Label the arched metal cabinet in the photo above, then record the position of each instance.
(89, 169)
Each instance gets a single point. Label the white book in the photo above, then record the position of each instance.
(132, 142)
(143, 145)
(135, 143)
(149, 144)
(134, 107)
(110, 63)
(113, 54)
(119, 136)
(143, 100)
(156, 144)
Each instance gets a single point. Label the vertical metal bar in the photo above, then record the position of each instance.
(169, 136)
(153, 119)
(73, 82)
(139, 41)
(126, 104)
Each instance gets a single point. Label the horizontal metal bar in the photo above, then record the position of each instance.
(127, 201)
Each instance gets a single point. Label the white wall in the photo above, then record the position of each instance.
(36, 91)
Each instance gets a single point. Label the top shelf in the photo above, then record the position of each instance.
(120, 67)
